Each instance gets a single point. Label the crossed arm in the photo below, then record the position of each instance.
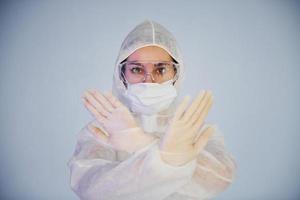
(98, 173)
(152, 169)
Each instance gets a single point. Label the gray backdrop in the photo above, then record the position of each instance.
(246, 52)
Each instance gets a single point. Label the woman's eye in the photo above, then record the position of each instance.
(136, 70)
(161, 70)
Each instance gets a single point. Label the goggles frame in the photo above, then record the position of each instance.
(123, 64)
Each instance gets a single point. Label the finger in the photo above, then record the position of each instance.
(103, 100)
(201, 107)
(203, 115)
(181, 107)
(94, 111)
(113, 100)
(98, 133)
(95, 102)
(203, 138)
(193, 107)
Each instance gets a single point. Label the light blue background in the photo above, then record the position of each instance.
(246, 52)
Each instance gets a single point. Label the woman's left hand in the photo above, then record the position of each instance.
(123, 133)
(181, 142)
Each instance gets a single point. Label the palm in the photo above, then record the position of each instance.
(181, 137)
(122, 131)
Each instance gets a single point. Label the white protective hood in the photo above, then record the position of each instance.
(99, 172)
(148, 33)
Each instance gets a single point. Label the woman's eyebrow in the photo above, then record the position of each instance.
(136, 63)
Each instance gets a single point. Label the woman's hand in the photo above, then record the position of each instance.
(181, 143)
(122, 130)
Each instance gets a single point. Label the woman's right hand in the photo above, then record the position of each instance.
(123, 133)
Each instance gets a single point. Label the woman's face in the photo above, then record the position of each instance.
(152, 73)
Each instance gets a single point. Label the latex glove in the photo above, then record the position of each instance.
(120, 128)
(182, 141)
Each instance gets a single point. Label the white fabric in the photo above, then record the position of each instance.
(98, 172)
(148, 33)
(150, 98)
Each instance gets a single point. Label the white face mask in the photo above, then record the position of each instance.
(150, 98)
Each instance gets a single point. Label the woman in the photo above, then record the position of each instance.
(143, 144)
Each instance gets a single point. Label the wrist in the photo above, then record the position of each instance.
(138, 139)
(142, 140)
(176, 159)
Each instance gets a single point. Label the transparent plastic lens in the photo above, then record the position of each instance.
(159, 71)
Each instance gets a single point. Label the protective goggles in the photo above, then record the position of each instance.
(136, 72)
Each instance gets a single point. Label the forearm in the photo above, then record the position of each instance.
(141, 176)
(138, 139)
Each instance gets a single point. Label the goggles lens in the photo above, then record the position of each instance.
(135, 71)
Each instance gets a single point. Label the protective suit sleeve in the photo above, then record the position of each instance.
(98, 173)
(214, 172)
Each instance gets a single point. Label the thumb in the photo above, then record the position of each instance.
(203, 138)
(98, 133)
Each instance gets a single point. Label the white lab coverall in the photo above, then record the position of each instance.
(99, 172)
